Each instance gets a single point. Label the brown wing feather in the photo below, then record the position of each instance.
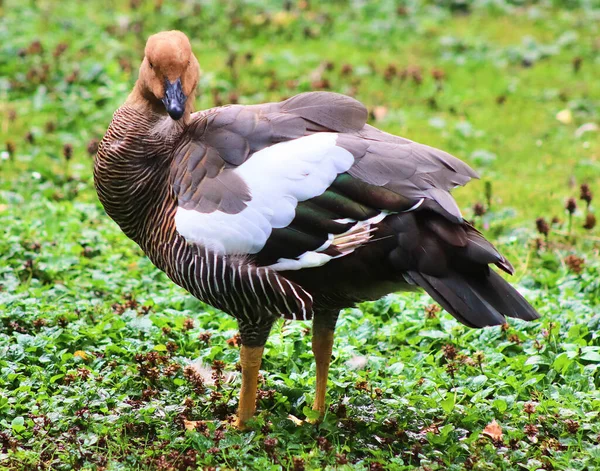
(407, 168)
(221, 139)
(333, 111)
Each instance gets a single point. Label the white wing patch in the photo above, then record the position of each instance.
(278, 178)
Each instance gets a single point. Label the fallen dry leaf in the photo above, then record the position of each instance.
(565, 116)
(234, 341)
(190, 424)
(357, 362)
(379, 113)
(493, 431)
(81, 354)
(296, 420)
(433, 428)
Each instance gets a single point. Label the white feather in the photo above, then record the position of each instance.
(414, 206)
(306, 260)
(344, 220)
(278, 178)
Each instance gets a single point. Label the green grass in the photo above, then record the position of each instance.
(94, 341)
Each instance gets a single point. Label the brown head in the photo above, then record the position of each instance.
(169, 73)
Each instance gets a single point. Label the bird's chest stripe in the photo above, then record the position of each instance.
(278, 177)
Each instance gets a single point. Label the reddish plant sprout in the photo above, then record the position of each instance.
(68, 151)
(572, 425)
(92, 147)
(571, 206)
(298, 464)
(431, 311)
(449, 351)
(269, 444)
(478, 209)
(10, 148)
(188, 324)
(529, 408)
(542, 227)
(590, 221)
(585, 194)
(574, 263)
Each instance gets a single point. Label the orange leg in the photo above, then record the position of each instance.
(250, 358)
(322, 345)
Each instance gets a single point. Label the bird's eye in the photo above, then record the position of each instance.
(151, 65)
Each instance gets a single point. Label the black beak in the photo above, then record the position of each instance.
(174, 99)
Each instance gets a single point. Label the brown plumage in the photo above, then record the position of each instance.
(294, 209)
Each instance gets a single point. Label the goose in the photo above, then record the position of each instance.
(295, 209)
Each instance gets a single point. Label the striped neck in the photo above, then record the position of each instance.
(131, 173)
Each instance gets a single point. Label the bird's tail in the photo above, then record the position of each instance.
(476, 300)
(452, 263)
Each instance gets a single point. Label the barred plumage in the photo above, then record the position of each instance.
(293, 209)
(131, 176)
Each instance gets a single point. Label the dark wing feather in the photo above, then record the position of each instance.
(332, 111)
(407, 168)
(450, 261)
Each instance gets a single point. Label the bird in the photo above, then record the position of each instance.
(294, 209)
